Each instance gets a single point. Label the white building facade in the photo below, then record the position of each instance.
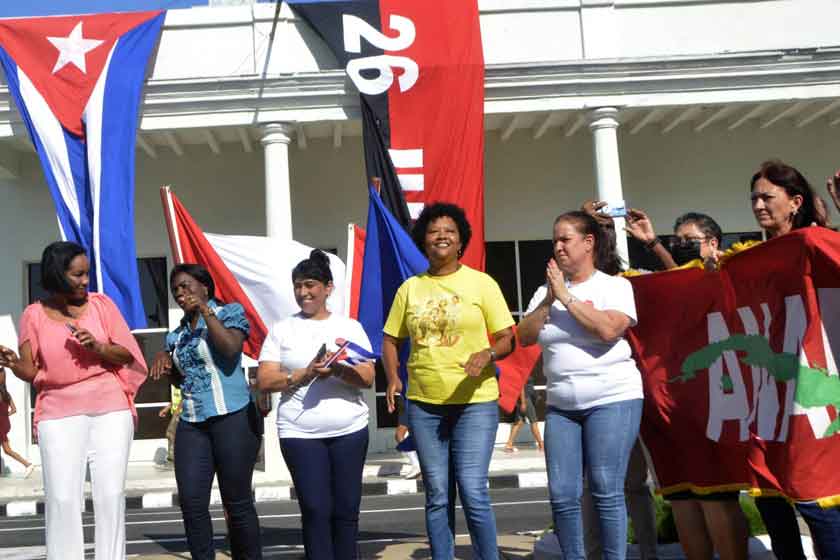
(668, 104)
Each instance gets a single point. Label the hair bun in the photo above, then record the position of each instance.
(320, 257)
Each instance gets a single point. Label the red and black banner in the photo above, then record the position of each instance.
(740, 370)
(419, 68)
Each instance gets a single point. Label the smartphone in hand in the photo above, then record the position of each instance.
(334, 358)
(322, 351)
(614, 209)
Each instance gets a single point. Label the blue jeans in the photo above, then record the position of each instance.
(327, 474)
(599, 439)
(824, 525)
(226, 446)
(463, 434)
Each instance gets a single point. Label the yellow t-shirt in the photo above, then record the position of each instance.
(447, 319)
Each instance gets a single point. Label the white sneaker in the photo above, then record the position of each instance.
(413, 473)
(29, 470)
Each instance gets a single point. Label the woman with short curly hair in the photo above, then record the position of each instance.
(446, 313)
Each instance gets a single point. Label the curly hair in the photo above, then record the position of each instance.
(441, 210)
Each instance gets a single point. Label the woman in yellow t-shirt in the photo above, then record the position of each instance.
(446, 313)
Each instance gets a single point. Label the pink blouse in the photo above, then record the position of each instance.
(73, 380)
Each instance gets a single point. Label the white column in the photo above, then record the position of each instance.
(603, 123)
(275, 140)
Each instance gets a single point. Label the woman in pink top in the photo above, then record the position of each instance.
(78, 353)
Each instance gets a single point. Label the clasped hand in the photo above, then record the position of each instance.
(555, 281)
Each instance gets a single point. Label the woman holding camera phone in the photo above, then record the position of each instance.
(219, 430)
(322, 418)
(77, 351)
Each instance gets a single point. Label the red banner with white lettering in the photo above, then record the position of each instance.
(419, 67)
(740, 370)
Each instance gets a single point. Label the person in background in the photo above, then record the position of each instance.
(79, 354)
(401, 434)
(322, 418)
(446, 313)
(706, 522)
(640, 504)
(7, 408)
(219, 429)
(173, 409)
(594, 390)
(833, 188)
(524, 411)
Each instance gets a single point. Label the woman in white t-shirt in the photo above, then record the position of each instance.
(322, 418)
(594, 390)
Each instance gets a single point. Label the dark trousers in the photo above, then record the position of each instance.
(780, 519)
(327, 474)
(225, 446)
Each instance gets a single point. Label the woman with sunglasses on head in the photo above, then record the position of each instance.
(79, 354)
(322, 418)
(219, 430)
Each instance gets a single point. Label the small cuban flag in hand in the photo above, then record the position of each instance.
(350, 353)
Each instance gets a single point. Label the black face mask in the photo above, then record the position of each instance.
(685, 251)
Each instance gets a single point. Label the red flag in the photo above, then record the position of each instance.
(740, 370)
(253, 271)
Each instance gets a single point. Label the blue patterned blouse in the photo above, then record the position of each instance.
(213, 385)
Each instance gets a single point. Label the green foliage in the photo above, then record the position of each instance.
(754, 521)
(666, 529)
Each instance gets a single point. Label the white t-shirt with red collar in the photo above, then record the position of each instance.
(581, 370)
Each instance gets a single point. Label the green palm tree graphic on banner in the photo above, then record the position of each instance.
(814, 386)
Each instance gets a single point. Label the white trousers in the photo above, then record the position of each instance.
(67, 445)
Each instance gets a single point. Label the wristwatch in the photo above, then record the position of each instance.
(289, 383)
(570, 300)
(492, 354)
(210, 311)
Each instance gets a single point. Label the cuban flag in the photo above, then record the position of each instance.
(77, 82)
(253, 271)
(352, 354)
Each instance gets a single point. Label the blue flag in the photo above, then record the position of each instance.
(391, 257)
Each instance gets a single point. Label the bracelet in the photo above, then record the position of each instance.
(493, 355)
(652, 243)
(289, 384)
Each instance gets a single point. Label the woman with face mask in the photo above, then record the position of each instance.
(219, 430)
(78, 353)
(322, 418)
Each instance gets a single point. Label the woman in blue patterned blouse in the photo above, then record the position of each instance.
(220, 429)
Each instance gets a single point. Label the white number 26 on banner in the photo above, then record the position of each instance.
(354, 29)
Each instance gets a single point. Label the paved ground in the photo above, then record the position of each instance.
(391, 527)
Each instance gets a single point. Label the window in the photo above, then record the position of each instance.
(153, 288)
